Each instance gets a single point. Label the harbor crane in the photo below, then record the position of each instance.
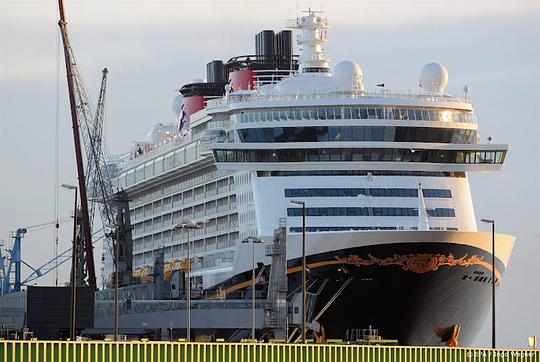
(96, 186)
(11, 263)
(12, 283)
(82, 120)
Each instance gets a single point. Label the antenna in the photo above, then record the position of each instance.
(466, 91)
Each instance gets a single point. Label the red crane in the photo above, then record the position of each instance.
(81, 114)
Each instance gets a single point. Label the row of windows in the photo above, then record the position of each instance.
(366, 173)
(358, 133)
(179, 251)
(360, 154)
(184, 198)
(375, 192)
(197, 212)
(187, 181)
(317, 229)
(368, 211)
(179, 236)
(356, 112)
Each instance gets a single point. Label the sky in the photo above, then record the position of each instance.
(153, 47)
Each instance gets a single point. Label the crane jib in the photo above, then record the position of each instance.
(80, 114)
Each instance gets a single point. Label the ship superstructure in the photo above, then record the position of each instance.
(383, 174)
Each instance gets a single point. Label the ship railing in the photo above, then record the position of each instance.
(218, 125)
(203, 150)
(291, 23)
(106, 307)
(144, 293)
(367, 334)
(273, 76)
(168, 144)
(295, 22)
(403, 95)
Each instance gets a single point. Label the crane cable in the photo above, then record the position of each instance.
(49, 223)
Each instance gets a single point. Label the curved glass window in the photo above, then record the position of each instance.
(316, 229)
(357, 112)
(374, 192)
(362, 154)
(360, 173)
(357, 133)
(369, 211)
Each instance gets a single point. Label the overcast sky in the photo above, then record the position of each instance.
(153, 47)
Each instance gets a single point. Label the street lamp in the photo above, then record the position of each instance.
(189, 224)
(253, 241)
(116, 282)
(492, 222)
(304, 299)
(73, 265)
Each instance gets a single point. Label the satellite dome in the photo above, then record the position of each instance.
(433, 78)
(349, 74)
(346, 67)
(176, 104)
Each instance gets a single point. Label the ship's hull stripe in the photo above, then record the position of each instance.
(338, 261)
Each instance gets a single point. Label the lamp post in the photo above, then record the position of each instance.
(116, 285)
(304, 299)
(189, 224)
(73, 265)
(253, 241)
(492, 222)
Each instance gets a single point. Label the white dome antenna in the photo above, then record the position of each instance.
(433, 78)
(350, 75)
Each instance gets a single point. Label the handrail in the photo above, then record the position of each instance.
(407, 95)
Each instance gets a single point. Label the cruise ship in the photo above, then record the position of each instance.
(391, 233)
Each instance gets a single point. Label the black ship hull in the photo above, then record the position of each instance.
(407, 291)
(410, 286)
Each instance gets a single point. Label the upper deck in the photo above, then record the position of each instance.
(314, 107)
(389, 98)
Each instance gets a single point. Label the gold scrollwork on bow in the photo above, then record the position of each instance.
(416, 263)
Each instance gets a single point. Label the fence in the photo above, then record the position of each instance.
(102, 351)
